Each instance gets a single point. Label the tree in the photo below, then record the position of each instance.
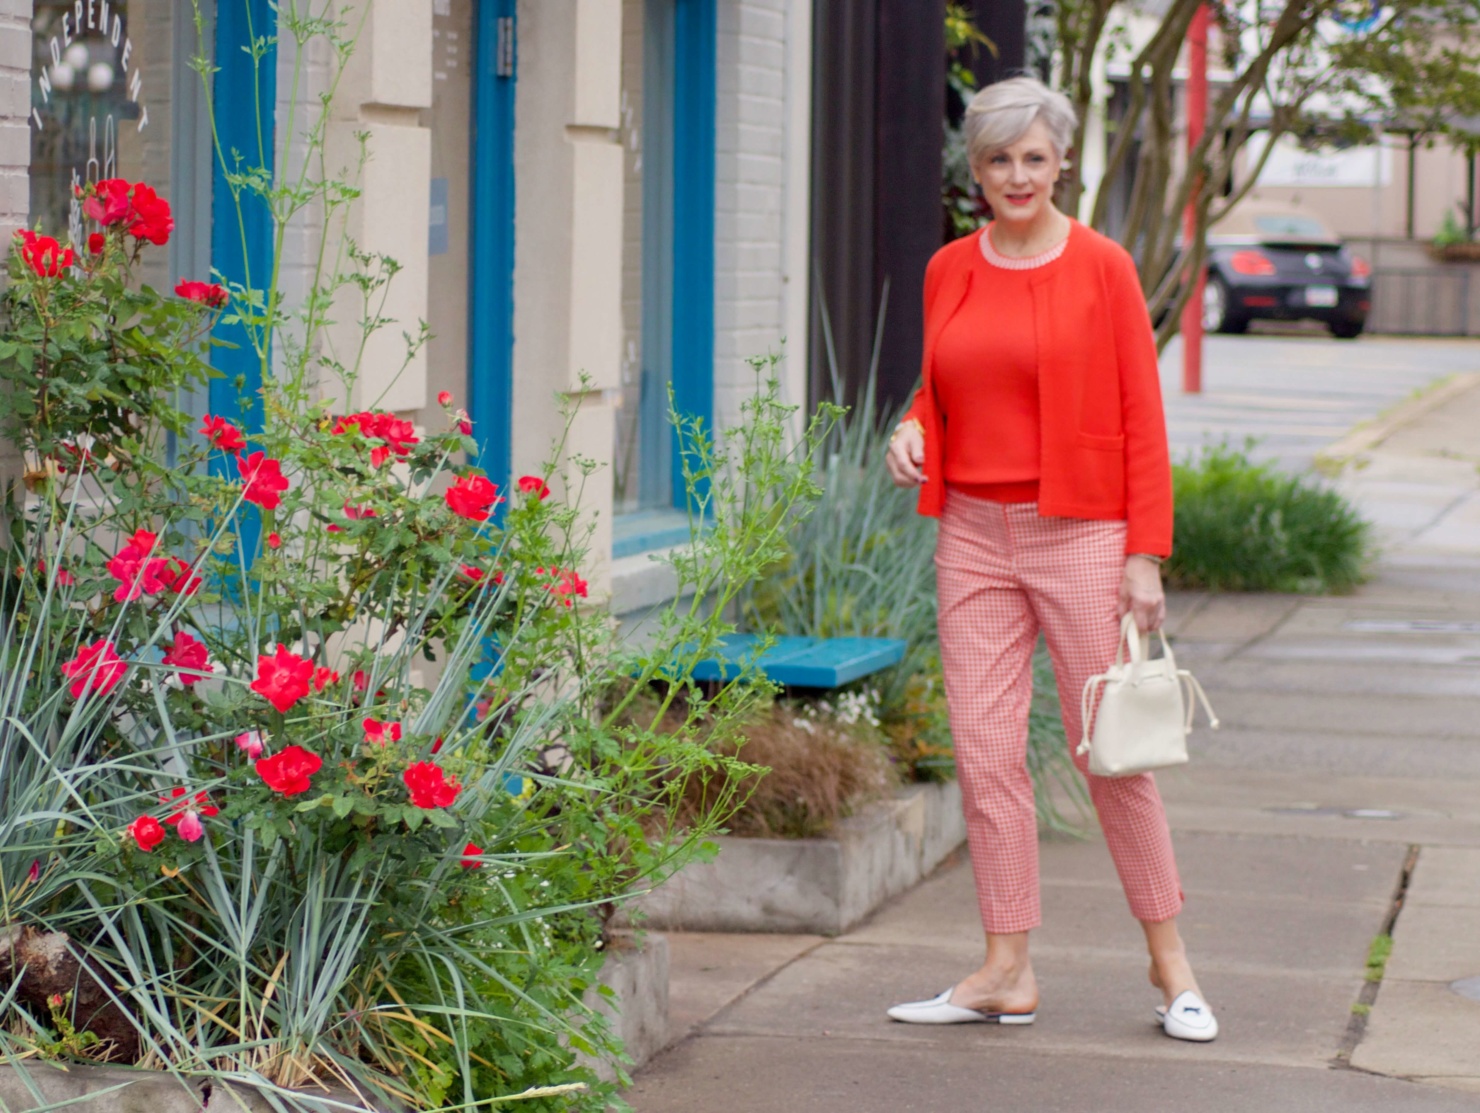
(1323, 70)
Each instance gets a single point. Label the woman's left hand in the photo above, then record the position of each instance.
(1141, 593)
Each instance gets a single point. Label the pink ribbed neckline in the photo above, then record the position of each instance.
(1027, 263)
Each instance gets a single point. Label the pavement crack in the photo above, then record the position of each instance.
(1356, 1026)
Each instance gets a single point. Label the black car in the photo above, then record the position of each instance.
(1283, 264)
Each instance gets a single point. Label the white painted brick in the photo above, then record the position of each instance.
(737, 284)
(15, 143)
(762, 112)
(15, 47)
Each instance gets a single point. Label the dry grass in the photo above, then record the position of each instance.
(816, 770)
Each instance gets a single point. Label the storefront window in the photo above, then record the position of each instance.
(103, 78)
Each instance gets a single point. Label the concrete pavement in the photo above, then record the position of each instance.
(1342, 797)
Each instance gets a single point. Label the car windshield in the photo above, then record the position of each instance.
(1289, 226)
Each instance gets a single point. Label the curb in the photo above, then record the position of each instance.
(1367, 436)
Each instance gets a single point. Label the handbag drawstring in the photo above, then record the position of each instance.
(1194, 687)
(1086, 701)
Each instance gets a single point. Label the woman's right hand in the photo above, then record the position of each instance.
(906, 456)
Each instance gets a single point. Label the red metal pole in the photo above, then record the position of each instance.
(1197, 114)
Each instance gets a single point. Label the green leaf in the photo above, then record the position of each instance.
(343, 805)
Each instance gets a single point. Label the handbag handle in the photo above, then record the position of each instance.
(1130, 636)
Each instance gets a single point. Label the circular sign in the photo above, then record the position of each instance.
(87, 88)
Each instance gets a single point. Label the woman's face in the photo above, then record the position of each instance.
(1018, 180)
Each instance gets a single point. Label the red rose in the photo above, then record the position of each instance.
(568, 583)
(138, 573)
(464, 423)
(398, 436)
(273, 540)
(108, 202)
(381, 733)
(471, 497)
(186, 813)
(64, 578)
(470, 855)
(96, 668)
(323, 677)
(207, 293)
(177, 576)
(444, 398)
(222, 434)
(282, 679)
(534, 484)
(355, 513)
(264, 478)
(44, 255)
(95, 243)
(472, 572)
(146, 832)
(289, 770)
(429, 785)
(188, 653)
(151, 216)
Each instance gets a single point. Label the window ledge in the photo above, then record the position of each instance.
(647, 531)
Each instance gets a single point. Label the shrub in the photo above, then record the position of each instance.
(1243, 526)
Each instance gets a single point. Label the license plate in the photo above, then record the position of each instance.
(1320, 297)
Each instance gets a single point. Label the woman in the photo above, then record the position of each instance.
(1039, 441)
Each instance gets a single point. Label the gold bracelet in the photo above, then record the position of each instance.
(915, 421)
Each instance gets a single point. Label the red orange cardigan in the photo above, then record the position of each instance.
(1104, 442)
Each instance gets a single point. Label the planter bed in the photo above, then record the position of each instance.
(815, 886)
(107, 1089)
(638, 978)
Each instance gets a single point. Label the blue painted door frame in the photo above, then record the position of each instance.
(491, 296)
(695, 27)
(244, 102)
(677, 236)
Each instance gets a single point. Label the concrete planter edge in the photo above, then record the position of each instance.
(815, 886)
(637, 974)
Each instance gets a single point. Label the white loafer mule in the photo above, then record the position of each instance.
(939, 1010)
(1189, 1018)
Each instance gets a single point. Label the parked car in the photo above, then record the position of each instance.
(1279, 262)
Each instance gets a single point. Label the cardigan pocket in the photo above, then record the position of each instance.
(1102, 444)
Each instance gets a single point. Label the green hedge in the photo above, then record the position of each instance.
(1243, 526)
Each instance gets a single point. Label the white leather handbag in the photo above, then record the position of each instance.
(1145, 712)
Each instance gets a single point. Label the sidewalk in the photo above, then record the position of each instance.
(1347, 769)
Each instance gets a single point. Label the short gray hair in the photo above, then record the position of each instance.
(1001, 114)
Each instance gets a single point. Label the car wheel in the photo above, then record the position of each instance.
(1216, 316)
(1347, 328)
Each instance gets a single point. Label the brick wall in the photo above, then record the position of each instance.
(15, 143)
(750, 194)
(15, 108)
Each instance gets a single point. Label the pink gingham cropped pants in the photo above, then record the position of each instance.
(1003, 574)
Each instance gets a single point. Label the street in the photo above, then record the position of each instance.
(1346, 769)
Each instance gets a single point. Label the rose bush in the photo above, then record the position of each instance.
(323, 762)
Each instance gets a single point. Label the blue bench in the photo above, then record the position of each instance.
(799, 662)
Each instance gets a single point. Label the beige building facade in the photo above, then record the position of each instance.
(567, 186)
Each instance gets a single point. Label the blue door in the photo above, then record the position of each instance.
(491, 297)
(244, 100)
